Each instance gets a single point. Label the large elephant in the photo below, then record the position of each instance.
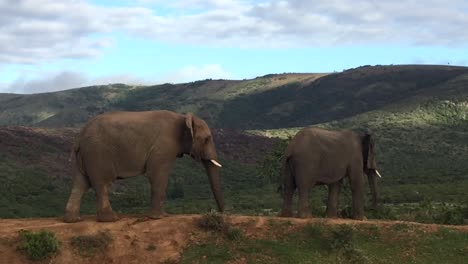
(317, 156)
(119, 145)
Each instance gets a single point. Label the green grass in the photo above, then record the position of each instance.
(39, 245)
(321, 243)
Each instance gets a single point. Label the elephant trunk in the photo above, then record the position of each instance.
(213, 175)
(372, 177)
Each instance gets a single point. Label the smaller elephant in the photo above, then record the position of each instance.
(317, 156)
(119, 145)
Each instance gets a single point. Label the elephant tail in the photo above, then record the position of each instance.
(288, 181)
(73, 151)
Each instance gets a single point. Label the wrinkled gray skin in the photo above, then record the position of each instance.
(118, 145)
(317, 156)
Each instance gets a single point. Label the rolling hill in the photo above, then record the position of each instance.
(271, 101)
(418, 115)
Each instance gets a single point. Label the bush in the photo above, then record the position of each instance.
(381, 212)
(271, 165)
(89, 245)
(342, 242)
(39, 245)
(440, 214)
(212, 221)
(234, 234)
(342, 237)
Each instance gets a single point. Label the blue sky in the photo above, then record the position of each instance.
(48, 45)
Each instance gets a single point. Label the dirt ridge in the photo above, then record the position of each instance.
(143, 240)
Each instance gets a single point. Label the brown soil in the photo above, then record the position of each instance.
(142, 240)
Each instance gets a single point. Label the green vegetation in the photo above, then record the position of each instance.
(89, 245)
(421, 153)
(418, 115)
(321, 243)
(39, 245)
(215, 222)
(212, 221)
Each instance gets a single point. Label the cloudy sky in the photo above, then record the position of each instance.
(49, 45)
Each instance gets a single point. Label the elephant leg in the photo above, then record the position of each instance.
(304, 184)
(72, 210)
(304, 210)
(287, 203)
(104, 209)
(356, 180)
(333, 197)
(288, 193)
(159, 178)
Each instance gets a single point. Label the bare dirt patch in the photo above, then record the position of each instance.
(143, 240)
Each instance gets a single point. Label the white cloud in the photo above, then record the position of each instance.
(34, 31)
(57, 81)
(49, 83)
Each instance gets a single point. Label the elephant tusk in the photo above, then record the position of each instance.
(216, 163)
(378, 174)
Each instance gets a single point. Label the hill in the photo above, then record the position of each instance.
(243, 239)
(418, 115)
(271, 101)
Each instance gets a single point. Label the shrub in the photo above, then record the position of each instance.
(89, 245)
(151, 247)
(342, 237)
(440, 214)
(271, 165)
(212, 221)
(317, 230)
(381, 212)
(234, 234)
(351, 256)
(39, 245)
(342, 242)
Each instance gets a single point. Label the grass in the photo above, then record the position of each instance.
(90, 245)
(421, 143)
(39, 245)
(322, 243)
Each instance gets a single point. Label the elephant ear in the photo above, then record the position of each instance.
(189, 122)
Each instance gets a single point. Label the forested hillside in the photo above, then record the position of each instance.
(271, 101)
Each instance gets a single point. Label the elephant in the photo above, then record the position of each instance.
(318, 156)
(119, 144)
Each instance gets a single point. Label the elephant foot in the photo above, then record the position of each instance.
(107, 217)
(71, 218)
(157, 215)
(286, 213)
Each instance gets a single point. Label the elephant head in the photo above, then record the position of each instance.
(202, 148)
(370, 165)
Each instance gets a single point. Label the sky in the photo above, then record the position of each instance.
(49, 45)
